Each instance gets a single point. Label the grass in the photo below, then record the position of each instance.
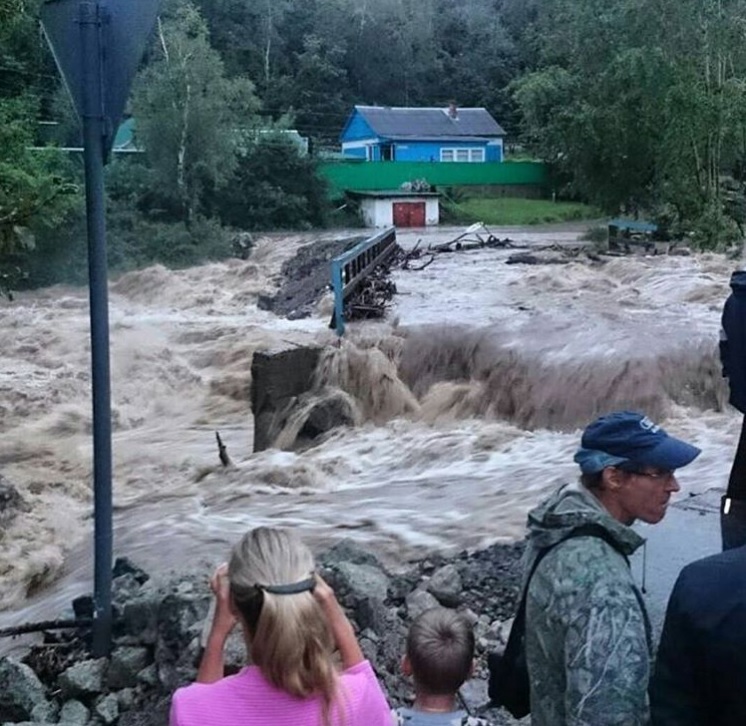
(511, 211)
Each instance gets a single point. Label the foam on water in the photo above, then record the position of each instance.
(468, 409)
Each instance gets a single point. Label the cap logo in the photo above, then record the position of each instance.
(648, 425)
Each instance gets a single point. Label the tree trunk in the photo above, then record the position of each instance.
(181, 159)
(268, 47)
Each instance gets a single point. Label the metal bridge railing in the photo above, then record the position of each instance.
(351, 268)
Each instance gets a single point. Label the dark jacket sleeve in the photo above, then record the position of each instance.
(674, 695)
(724, 345)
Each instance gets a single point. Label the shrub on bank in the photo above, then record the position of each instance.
(133, 242)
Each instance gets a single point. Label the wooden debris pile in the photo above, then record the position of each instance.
(374, 293)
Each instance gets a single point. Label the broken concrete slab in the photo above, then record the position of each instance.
(278, 378)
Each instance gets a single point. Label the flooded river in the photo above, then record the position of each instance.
(470, 394)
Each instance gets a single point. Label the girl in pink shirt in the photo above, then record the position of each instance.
(291, 621)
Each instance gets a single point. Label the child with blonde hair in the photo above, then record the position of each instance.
(291, 622)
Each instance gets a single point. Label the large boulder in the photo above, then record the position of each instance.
(83, 679)
(126, 662)
(107, 708)
(347, 550)
(74, 712)
(22, 695)
(356, 583)
(136, 609)
(418, 602)
(445, 586)
(181, 616)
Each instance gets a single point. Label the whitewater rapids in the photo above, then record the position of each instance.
(469, 396)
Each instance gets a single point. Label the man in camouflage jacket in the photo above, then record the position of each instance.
(587, 633)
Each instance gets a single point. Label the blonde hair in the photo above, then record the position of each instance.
(290, 640)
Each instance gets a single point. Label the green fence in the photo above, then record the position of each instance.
(382, 175)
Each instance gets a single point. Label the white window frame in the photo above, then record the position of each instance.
(475, 154)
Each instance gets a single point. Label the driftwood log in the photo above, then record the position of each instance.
(26, 628)
(225, 460)
(372, 296)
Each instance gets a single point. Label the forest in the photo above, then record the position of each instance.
(638, 106)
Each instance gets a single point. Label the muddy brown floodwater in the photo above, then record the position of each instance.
(470, 396)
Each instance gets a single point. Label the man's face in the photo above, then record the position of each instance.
(645, 494)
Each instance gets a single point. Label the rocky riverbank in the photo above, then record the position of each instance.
(159, 630)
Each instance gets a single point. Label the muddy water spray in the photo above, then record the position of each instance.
(467, 411)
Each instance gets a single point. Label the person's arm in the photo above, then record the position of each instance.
(173, 714)
(723, 343)
(341, 627)
(674, 688)
(211, 667)
(607, 659)
(723, 346)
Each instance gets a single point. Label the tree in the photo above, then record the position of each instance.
(641, 104)
(189, 114)
(34, 190)
(703, 119)
(10, 11)
(388, 52)
(274, 186)
(314, 93)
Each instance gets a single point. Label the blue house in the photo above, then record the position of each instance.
(384, 133)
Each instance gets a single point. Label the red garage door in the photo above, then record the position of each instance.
(409, 214)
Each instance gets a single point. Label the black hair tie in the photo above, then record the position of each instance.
(293, 588)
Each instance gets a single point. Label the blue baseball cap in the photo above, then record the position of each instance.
(629, 439)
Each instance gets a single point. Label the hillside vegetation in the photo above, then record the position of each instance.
(638, 106)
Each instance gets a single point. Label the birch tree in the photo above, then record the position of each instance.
(189, 113)
(641, 104)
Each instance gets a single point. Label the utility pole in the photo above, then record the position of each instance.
(97, 46)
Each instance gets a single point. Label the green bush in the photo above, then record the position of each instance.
(597, 234)
(347, 215)
(713, 229)
(274, 186)
(451, 213)
(455, 195)
(133, 242)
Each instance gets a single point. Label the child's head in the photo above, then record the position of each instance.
(440, 651)
(270, 573)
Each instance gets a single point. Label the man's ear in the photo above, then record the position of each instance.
(406, 666)
(612, 478)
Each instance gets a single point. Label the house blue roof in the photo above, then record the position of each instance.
(394, 122)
